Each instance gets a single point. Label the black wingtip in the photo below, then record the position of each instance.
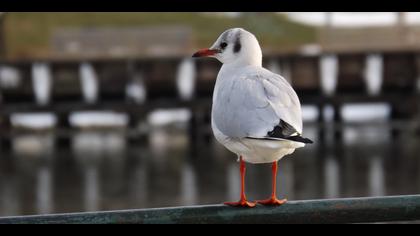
(308, 141)
(300, 139)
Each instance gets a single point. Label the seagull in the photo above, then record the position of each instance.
(255, 114)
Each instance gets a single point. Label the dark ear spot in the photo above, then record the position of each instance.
(237, 46)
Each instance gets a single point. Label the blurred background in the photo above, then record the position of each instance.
(107, 111)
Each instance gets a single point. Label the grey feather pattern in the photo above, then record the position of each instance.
(251, 104)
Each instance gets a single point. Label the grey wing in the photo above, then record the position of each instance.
(255, 104)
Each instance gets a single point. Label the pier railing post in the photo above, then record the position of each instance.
(5, 128)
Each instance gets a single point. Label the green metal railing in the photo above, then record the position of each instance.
(346, 210)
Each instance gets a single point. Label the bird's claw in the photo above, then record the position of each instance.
(241, 203)
(272, 202)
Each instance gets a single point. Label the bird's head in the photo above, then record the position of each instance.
(234, 46)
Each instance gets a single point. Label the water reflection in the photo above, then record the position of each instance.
(101, 170)
(332, 178)
(44, 198)
(188, 186)
(87, 148)
(376, 176)
(139, 186)
(234, 183)
(10, 203)
(32, 155)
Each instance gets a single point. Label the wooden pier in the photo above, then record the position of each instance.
(398, 74)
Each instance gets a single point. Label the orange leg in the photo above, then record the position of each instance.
(243, 202)
(273, 200)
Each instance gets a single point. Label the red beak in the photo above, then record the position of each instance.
(205, 53)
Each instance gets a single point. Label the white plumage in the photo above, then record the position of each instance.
(249, 104)
(249, 101)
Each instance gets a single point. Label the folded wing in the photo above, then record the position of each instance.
(259, 104)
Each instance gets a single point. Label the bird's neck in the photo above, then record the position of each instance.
(245, 61)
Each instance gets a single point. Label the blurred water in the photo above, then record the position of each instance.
(103, 171)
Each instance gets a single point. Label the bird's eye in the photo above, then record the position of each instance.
(223, 45)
